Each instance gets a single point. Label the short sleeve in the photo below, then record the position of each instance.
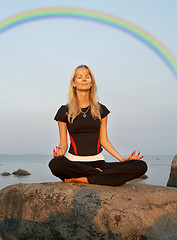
(104, 111)
(61, 114)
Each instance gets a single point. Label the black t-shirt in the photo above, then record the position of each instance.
(84, 131)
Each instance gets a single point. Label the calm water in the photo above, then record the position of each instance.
(37, 165)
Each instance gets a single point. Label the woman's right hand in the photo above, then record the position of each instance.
(57, 152)
(133, 156)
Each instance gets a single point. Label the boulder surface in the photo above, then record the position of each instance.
(72, 211)
(172, 181)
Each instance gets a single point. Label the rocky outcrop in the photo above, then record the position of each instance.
(70, 211)
(21, 172)
(172, 181)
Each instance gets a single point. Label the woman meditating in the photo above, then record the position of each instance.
(86, 121)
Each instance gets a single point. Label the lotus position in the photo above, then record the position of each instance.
(85, 119)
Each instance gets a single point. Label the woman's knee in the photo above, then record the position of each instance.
(142, 167)
(56, 163)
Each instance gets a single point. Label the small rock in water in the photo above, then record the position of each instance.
(5, 174)
(144, 176)
(21, 172)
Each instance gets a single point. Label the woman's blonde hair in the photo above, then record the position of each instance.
(74, 108)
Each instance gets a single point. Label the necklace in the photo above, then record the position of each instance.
(84, 113)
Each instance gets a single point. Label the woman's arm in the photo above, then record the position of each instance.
(109, 147)
(63, 146)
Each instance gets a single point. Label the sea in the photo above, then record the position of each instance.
(37, 164)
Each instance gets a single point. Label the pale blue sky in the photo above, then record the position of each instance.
(38, 58)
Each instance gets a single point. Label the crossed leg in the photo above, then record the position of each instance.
(98, 172)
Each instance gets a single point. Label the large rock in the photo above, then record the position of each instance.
(172, 181)
(70, 211)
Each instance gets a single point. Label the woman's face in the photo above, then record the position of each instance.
(83, 81)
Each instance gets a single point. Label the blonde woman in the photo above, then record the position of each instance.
(86, 121)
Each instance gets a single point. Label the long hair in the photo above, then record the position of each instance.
(74, 108)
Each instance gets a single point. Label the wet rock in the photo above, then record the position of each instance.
(21, 172)
(5, 174)
(172, 181)
(70, 211)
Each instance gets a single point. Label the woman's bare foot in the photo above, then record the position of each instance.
(80, 180)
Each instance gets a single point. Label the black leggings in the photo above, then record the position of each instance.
(112, 174)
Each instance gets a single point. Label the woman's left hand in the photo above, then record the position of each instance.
(133, 156)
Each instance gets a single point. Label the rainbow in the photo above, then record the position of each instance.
(98, 17)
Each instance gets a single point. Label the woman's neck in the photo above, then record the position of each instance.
(83, 98)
